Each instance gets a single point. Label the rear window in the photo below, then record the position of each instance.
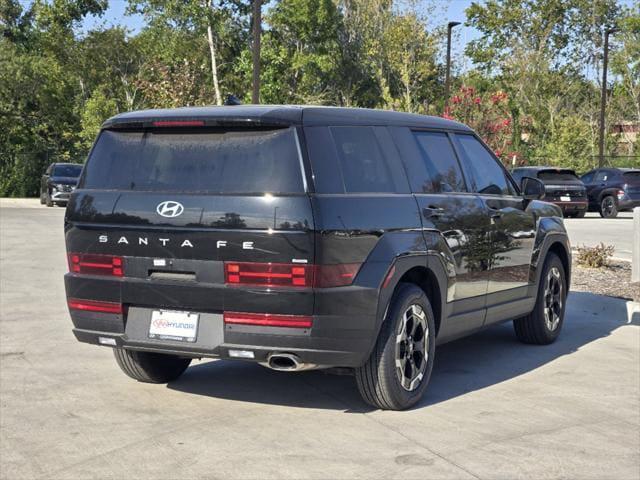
(67, 170)
(203, 161)
(557, 176)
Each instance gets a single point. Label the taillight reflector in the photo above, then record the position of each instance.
(268, 320)
(290, 274)
(94, 306)
(179, 123)
(94, 264)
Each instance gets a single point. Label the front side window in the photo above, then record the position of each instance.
(200, 160)
(489, 176)
(443, 173)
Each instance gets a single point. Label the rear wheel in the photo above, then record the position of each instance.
(581, 214)
(542, 326)
(150, 367)
(398, 370)
(608, 207)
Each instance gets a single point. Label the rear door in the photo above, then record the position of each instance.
(181, 203)
(454, 221)
(512, 225)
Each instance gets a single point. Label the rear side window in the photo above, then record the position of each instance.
(443, 173)
(364, 169)
(355, 160)
(489, 177)
(631, 176)
(204, 161)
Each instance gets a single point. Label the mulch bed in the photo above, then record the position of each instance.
(613, 280)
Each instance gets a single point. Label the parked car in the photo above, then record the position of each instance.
(57, 183)
(306, 237)
(612, 190)
(562, 187)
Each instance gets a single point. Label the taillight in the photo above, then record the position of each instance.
(621, 194)
(339, 275)
(94, 264)
(94, 306)
(268, 320)
(290, 274)
(268, 274)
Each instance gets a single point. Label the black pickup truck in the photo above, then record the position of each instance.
(306, 237)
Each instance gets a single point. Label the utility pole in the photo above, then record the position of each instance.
(450, 26)
(257, 29)
(603, 98)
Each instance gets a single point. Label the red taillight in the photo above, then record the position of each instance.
(290, 274)
(179, 123)
(268, 274)
(268, 320)
(94, 306)
(94, 264)
(338, 275)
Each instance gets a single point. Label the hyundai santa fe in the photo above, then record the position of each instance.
(306, 238)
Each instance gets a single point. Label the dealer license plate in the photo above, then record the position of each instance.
(172, 325)
(565, 199)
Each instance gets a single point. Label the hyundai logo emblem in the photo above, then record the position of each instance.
(170, 209)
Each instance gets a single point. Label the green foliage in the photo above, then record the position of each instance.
(58, 84)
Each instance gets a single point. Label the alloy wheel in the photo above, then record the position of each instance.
(412, 347)
(553, 298)
(608, 206)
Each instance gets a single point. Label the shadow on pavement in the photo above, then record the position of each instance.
(473, 363)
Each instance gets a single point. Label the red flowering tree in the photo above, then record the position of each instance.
(489, 116)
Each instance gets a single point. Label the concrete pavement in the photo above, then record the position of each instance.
(494, 409)
(592, 229)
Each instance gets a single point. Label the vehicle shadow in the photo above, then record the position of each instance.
(487, 358)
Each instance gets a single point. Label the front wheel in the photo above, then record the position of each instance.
(608, 207)
(398, 370)
(150, 367)
(542, 326)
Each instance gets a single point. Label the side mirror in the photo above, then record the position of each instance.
(532, 188)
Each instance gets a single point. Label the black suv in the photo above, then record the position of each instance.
(562, 187)
(612, 190)
(57, 183)
(306, 237)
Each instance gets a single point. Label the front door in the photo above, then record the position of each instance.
(512, 225)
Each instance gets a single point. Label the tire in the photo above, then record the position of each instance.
(536, 328)
(42, 200)
(150, 367)
(47, 200)
(379, 380)
(608, 207)
(580, 214)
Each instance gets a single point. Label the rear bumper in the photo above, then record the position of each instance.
(628, 204)
(343, 332)
(572, 206)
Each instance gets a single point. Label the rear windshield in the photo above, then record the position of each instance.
(204, 161)
(557, 176)
(67, 170)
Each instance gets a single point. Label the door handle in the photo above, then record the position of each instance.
(433, 211)
(494, 213)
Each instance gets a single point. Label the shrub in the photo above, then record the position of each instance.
(595, 257)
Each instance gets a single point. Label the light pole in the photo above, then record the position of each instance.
(603, 99)
(257, 31)
(450, 26)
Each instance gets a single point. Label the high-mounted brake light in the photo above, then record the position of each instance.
(268, 320)
(290, 274)
(94, 306)
(93, 264)
(179, 123)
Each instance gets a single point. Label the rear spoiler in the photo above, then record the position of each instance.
(194, 122)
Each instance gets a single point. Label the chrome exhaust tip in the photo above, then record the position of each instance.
(286, 362)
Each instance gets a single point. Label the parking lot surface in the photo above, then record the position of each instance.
(494, 409)
(593, 230)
